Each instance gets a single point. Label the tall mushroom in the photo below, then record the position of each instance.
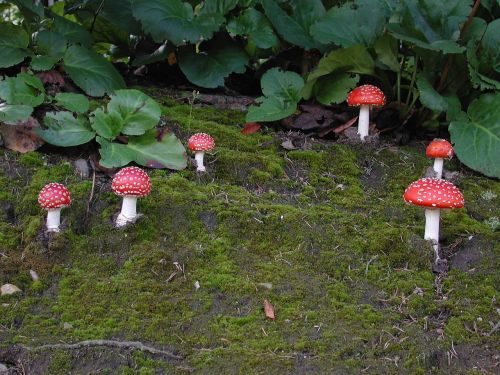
(365, 97)
(53, 197)
(439, 149)
(130, 183)
(199, 143)
(434, 194)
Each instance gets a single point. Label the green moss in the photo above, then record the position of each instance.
(322, 234)
(32, 159)
(60, 363)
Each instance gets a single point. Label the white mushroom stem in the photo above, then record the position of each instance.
(198, 156)
(53, 219)
(432, 229)
(128, 212)
(363, 121)
(438, 167)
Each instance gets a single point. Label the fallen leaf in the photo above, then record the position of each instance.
(250, 128)
(21, 137)
(7, 289)
(268, 309)
(52, 76)
(311, 117)
(171, 58)
(288, 145)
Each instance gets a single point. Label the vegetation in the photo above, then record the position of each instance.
(322, 233)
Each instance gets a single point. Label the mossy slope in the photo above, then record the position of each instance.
(323, 234)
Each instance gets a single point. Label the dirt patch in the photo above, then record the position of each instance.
(472, 253)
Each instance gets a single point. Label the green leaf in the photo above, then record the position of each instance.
(429, 24)
(386, 48)
(13, 44)
(295, 28)
(256, 26)
(281, 95)
(12, 114)
(174, 20)
(91, 72)
(438, 103)
(219, 58)
(477, 139)
(107, 125)
(138, 111)
(63, 129)
(219, 6)
(347, 26)
(73, 102)
(334, 88)
(355, 59)
(429, 97)
(43, 63)
(484, 59)
(160, 54)
(145, 150)
(31, 10)
(73, 32)
(25, 89)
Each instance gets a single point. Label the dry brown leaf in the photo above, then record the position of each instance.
(21, 137)
(250, 128)
(52, 76)
(268, 309)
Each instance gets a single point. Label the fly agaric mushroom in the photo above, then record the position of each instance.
(199, 143)
(365, 97)
(130, 183)
(434, 194)
(439, 149)
(52, 198)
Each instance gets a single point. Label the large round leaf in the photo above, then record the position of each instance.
(218, 59)
(138, 111)
(477, 138)
(63, 129)
(13, 43)
(145, 150)
(91, 72)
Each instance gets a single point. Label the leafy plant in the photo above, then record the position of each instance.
(125, 130)
(49, 39)
(281, 94)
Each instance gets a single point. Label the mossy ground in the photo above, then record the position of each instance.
(323, 234)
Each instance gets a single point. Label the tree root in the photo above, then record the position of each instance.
(134, 345)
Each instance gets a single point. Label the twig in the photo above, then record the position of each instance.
(135, 345)
(91, 194)
(494, 329)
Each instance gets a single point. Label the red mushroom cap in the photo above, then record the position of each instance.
(201, 142)
(439, 148)
(131, 182)
(434, 193)
(54, 195)
(366, 95)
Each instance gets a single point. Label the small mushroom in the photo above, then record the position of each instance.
(130, 183)
(199, 143)
(439, 149)
(434, 194)
(52, 198)
(365, 97)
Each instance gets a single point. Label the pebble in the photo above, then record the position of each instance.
(196, 285)
(34, 275)
(82, 168)
(3, 369)
(7, 289)
(67, 325)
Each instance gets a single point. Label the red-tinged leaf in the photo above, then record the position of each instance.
(21, 137)
(344, 126)
(53, 77)
(250, 128)
(268, 309)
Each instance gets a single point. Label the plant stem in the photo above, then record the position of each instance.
(96, 13)
(412, 82)
(398, 88)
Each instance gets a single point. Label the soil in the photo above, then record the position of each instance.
(320, 231)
